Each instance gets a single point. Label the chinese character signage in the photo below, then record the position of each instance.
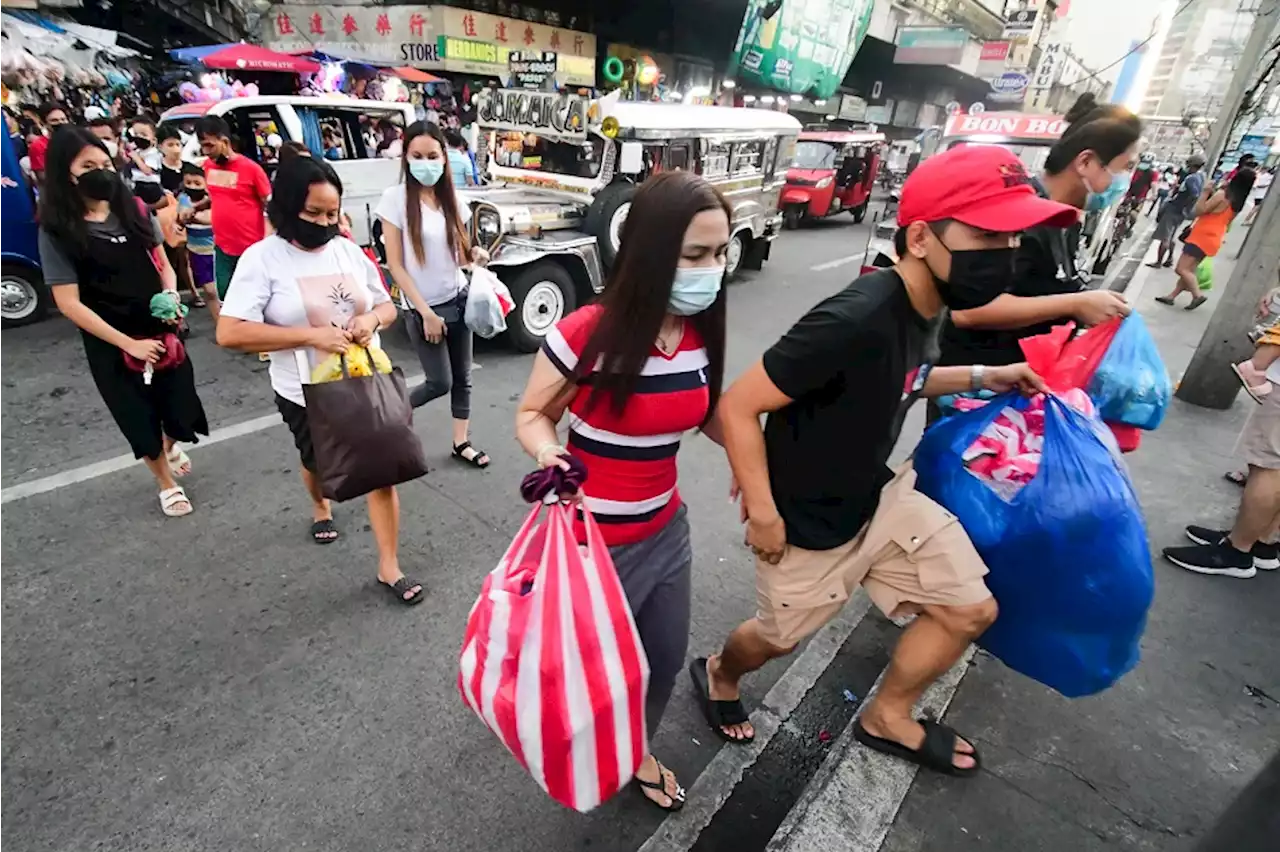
(541, 113)
(430, 37)
(800, 46)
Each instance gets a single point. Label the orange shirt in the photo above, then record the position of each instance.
(1209, 230)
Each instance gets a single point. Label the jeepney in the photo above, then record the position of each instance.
(562, 170)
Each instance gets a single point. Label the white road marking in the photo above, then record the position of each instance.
(839, 261)
(708, 794)
(76, 475)
(853, 800)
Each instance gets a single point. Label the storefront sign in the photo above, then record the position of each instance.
(800, 46)
(1052, 55)
(430, 37)
(1011, 124)
(852, 108)
(994, 51)
(882, 113)
(544, 113)
(1019, 24)
(930, 46)
(531, 70)
(1009, 87)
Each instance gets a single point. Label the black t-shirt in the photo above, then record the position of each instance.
(1044, 265)
(853, 365)
(171, 179)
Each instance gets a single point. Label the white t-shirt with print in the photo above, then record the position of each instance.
(154, 160)
(437, 279)
(280, 284)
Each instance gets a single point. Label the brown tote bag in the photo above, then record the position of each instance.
(362, 431)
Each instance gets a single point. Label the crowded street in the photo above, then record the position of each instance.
(220, 683)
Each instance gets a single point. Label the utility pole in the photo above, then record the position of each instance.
(1208, 381)
(1264, 24)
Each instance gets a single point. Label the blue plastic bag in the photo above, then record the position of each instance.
(1068, 558)
(1131, 384)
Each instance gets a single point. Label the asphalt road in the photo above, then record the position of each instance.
(218, 682)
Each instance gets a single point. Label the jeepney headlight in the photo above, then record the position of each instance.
(824, 183)
(488, 226)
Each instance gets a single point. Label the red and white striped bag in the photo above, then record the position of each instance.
(552, 662)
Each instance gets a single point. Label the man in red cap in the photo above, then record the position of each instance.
(824, 512)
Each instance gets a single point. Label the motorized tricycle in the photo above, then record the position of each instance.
(834, 171)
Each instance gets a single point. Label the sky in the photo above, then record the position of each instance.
(1100, 31)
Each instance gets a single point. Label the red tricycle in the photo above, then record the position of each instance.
(834, 171)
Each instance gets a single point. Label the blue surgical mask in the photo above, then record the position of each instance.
(1110, 195)
(694, 289)
(426, 172)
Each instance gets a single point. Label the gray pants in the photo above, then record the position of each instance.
(447, 364)
(655, 575)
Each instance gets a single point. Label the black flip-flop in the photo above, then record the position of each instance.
(677, 801)
(718, 713)
(474, 461)
(1236, 477)
(937, 752)
(404, 584)
(319, 528)
(1164, 300)
(1196, 302)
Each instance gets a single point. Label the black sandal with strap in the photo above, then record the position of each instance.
(475, 460)
(719, 714)
(937, 752)
(402, 587)
(320, 532)
(660, 786)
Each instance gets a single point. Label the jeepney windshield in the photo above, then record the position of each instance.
(811, 154)
(1032, 156)
(546, 154)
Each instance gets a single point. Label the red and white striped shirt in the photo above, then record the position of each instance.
(631, 457)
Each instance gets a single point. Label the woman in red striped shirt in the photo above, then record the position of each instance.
(634, 372)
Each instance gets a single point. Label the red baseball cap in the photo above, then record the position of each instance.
(984, 186)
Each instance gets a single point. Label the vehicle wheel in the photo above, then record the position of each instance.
(606, 216)
(791, 218)
(24, 298)
(860, 212)
(544, 294)
(733, 255)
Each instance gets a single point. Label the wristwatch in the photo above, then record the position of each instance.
(977, 376)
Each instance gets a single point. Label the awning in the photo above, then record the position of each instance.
(249, 57)
(415, 75)
(195, 55)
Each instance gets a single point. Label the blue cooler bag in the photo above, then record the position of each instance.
(1068, 556)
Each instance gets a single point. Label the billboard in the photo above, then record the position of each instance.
(800, 46)
(930, 46)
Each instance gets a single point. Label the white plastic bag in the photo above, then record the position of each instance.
(485, 313)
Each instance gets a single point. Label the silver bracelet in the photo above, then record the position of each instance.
(977, 376)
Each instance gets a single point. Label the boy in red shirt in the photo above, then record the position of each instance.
(238, 193)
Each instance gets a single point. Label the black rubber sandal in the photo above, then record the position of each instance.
(403, 585)
(1196, 302)
(1164, 300)
(660, 786)
(474, 461)
(319, 528)
(717, 713)
(937, 752)
(1236, 477)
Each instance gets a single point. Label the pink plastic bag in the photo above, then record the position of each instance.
(552, 662)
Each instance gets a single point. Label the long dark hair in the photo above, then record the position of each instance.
(63, 208)
(639, 288)
(454, 232)
(294, 180)
(1239, 187)
(1107, 129)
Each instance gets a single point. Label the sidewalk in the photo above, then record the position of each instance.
(1147, 765)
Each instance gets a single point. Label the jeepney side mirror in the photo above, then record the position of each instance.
(631, 158)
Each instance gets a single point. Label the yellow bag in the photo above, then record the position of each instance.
(358, 364)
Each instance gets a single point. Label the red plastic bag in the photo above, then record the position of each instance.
(552, 662)
(1066, 362)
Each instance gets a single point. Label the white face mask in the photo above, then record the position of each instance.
(112, 148)
(694, 289)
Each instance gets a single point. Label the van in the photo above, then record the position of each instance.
(312, 120)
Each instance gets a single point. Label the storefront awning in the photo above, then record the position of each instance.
(250, 57)
(415, 75)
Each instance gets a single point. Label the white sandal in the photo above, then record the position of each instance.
(178, 459)
(171, 497)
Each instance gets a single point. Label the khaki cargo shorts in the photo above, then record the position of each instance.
(911, 553)
(1259, 443)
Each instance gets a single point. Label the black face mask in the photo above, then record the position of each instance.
(141, 141)
(99, 184)
(196, 194)
(978, 276)
(309, 235)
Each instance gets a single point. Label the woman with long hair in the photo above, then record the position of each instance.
(303, 291)
(1214, 210)
(1088, 168)
(635, 371)
(101, 254)
(425, 236)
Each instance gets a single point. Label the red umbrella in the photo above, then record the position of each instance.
(250, 57)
